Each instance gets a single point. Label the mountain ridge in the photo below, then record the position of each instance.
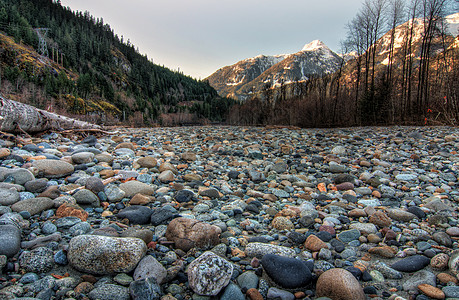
(252, 74)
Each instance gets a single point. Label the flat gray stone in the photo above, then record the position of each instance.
(451, 291)
(86, 197)
(52, 168)
(114, 193)
(33, 205)
(8, 196)
(260, 249)
(248, 280)
(145, 289)
(133, 187)
(400, 215)
(406, 177)
(232, 292)
(369, 202)
(365, 228)
(349, 235)
(420, 277)
(150, 267)
(109, 292)
(20, 175)
(82, 157)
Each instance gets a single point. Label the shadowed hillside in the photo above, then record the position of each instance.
(85, 69)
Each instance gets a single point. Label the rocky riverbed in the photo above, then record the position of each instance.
(231, 213)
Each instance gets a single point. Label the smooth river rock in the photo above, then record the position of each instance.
(150, 267)
(105, 255)
(10, 240)
(8, 196)
(411, 264)
(51, 168)
(287, 272)
(189, 233)
(134, 187)
(339, 284)
(33, 205)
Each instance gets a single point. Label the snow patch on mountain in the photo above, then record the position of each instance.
(314, 45)
(320, 48)
(271, 59)
(349, 56)
(402, 32)
(453, 24)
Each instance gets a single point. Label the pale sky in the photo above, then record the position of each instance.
(201, 36)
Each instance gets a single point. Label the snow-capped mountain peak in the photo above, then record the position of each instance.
(314, 45)
(240, 79)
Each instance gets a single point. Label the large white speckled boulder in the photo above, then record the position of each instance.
(209, 274)
(102, 255)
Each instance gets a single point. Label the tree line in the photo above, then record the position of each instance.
(100, 67)
(404, 70)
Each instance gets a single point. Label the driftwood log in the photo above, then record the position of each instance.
(17, 117)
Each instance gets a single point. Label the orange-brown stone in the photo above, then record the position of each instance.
(431, 291)
(384, 251)
(357, 213)
(445, 278)
(89, 278)
(300, 295)
(254, 294)
(282, 223)
(381, 219)
(140, 199)
(361, 265)
(4, 152)
(339, 284)
(107, 173)
(147, 162)
(238, 252)
(125, 145)
(71, 210)
(84, 288)
(314, 244)
(39, 157)
(376, 194)
(287, 212)
(106, 213)
(51, 192)
(189, 233)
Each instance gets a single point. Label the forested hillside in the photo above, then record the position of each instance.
(87, 70)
